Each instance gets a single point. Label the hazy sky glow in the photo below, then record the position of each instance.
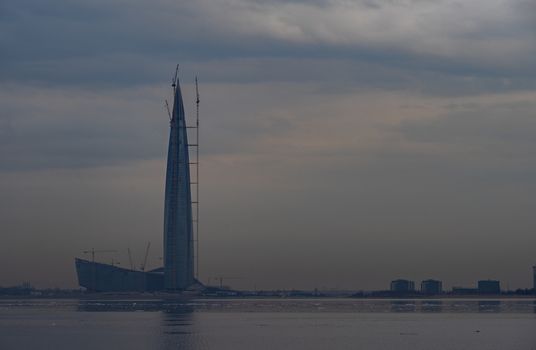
(344, 143)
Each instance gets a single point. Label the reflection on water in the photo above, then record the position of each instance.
(119, 305)
(403, 306)
(178, 306)
(237, 324)
(178, 326)
(489, 306)
(178, 321)
(432, 306)
(344, 305)
(416, 306)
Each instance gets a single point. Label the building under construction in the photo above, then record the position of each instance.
(178, 272)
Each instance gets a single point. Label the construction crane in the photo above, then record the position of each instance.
(93, 252)
(130, 259)
(146, 255)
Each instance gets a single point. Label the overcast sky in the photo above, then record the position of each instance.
(344, 143)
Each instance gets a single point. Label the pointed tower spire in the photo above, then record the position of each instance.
(178, 224)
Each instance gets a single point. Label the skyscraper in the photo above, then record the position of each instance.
(178, 271)
(178, 224)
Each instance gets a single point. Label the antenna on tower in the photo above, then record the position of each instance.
(174, 81)
(197, 95)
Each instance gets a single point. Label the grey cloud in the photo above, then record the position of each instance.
(60, 129)
(132, 43)
(500, 129)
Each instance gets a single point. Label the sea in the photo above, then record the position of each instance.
(195, 324)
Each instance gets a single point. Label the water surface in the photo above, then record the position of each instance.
(268, 324)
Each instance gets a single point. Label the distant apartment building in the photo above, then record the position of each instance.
(402, 286)
(489, 287)
(431, 287)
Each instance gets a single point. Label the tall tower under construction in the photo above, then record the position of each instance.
(178, 272)
(178, 223)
